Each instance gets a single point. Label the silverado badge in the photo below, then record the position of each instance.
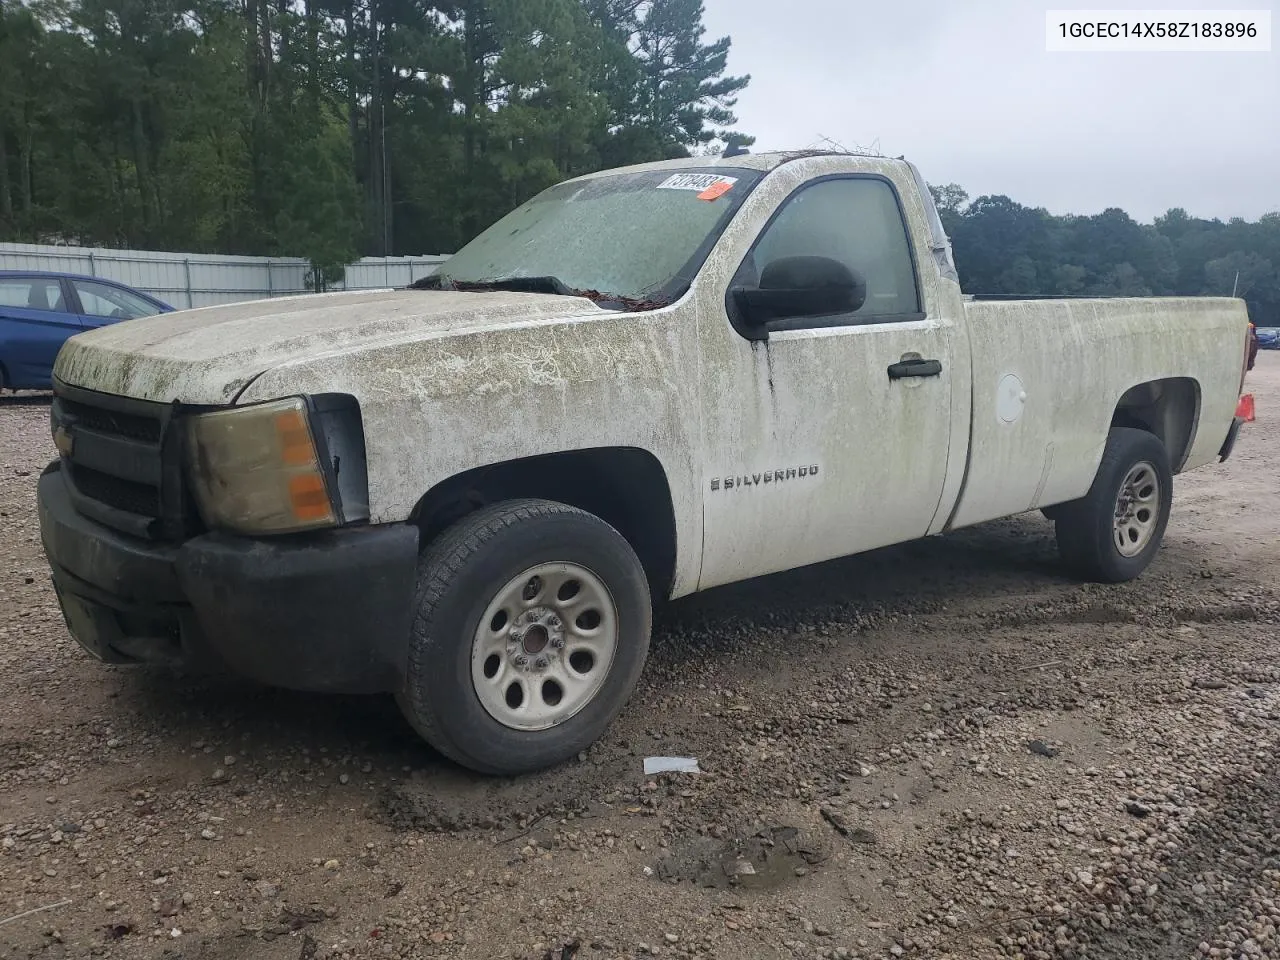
(768, 476)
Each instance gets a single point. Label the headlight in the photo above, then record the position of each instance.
(258, 470)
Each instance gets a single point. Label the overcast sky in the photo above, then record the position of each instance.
(966, 89)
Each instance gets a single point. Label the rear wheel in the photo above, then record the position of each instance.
(531, 629)
(1113, 533)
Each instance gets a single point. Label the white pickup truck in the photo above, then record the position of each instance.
(640, 384)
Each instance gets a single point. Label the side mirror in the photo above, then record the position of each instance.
(797, 287)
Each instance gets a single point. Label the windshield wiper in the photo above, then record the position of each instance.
(547, 284)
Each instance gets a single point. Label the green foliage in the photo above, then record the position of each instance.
(683, 93)
(334, 128)
(950, 199)
(1002, 247)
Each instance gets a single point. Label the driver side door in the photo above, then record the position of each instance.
(825, 439)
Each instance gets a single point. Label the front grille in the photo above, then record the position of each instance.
(133, 426)
(121, 458)
(135, 498)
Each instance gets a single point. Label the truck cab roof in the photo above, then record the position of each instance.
(763, 162)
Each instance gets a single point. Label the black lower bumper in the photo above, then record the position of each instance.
(1229, 444)
(325, 612)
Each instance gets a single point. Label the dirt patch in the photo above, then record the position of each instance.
(766, 860)
(449, 799)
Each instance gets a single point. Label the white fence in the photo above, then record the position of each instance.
(204, 279)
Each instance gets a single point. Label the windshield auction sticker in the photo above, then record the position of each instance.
(715, 192)
(699, 183)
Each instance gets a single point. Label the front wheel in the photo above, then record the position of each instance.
(531, 629)
(1115, 531)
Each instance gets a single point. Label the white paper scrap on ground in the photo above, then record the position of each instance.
(670, 765)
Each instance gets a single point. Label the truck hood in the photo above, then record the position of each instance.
(209, 355)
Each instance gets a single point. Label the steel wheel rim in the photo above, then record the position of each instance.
(544, 646)
(1137, 510)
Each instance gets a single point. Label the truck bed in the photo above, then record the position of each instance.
(1075, 359)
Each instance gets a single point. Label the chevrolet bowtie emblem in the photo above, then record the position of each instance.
(63, 441)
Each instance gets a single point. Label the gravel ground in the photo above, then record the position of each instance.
(945, 749)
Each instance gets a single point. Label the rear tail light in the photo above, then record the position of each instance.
(1245, 409)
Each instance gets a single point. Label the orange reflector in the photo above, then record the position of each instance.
(1245, 411)
(296, 448)
(308, 497)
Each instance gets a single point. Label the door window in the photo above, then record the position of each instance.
(857, 221)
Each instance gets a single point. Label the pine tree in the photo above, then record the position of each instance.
(683, 92)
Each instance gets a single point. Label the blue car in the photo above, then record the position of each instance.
(40, 311)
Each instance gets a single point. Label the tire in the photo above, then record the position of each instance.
(1091, 531)
(466, 691)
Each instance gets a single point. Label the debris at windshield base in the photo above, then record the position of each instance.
(516, 284)
(545, 285)
(670, 765)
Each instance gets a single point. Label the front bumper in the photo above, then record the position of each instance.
(327, 611)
